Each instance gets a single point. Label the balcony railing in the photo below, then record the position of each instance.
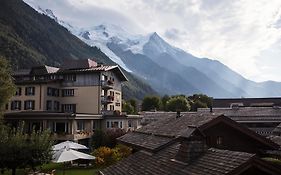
(107, 99)
(107, 84)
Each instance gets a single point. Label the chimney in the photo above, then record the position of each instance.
(190, 150)
(178, 114)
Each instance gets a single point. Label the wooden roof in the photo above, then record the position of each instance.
(173, 127)
(213, 162)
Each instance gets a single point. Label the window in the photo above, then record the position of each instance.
(16, 105)
(67, 92)
(114, 124)
(130, 123)
(219, 140)
(18, 91)
(80, 125)
(117, 104)
(70, 77)
(111, 107)
(61, 127)
(52, 92)
(56, 105)
(68, 108)
(49, 105)
(29, 105)
(30, 91)
(7, 106)
(94, 125)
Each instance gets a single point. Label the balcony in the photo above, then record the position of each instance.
(107, 99)
(107, 84)
(76, 136)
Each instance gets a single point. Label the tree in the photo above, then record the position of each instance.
(164, 100)
(178, 103)
(7, 87)
(128, 108)
(151, 103)
(107, 138)
(199, 101)
(133, 103)
(20, 150)
(99, 139)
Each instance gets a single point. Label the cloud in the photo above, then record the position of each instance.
(240, 33)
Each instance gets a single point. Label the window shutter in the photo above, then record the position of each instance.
(19, 91)
(33, 90)
(19, 105)
(33, 104)
(25, 105)
(12, 105)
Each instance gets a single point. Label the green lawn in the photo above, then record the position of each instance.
(59, 170)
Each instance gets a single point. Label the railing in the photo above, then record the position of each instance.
(107, 99)
(107, 84)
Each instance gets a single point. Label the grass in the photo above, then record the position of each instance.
(69, 170)
(47, 168)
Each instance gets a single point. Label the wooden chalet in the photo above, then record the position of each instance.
(195, 144)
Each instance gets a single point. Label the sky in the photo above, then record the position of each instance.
(245, 35)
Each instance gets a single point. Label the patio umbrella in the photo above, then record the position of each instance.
(68, 144)
(66, 155)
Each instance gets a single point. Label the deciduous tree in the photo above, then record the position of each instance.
(7, 87)
(151, 103)
(178, 103)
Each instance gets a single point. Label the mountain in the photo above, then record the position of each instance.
(28, 38)
(168, 69)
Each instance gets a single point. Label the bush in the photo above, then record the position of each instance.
(106, 156)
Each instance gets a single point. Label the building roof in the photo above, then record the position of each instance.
(145, 141)
(79, 64)
(213, 162)
(246, 102)
(183, 126)
(72, 66)
(172, 126)
(248, 114)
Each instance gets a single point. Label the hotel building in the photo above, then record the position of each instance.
(72, 101)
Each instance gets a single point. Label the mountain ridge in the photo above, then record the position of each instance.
(28, 39)
(194, 75)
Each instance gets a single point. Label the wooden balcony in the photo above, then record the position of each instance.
(107, 99)
(107, 84)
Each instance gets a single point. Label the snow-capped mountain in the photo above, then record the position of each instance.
(168, 69)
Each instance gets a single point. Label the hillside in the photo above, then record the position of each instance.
(28, 38)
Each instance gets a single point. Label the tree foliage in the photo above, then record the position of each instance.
(107, 138)
(199, 101)
(151, 103)
(178, 103)
(106, 156)
(20, 150)
(164, 100)
(7, 87)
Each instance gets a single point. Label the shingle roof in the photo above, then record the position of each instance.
(225, 103)
(145, 141)
(248, 113)
(214, 161)
(172, 126)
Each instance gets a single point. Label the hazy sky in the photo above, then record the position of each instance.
(243, 34)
